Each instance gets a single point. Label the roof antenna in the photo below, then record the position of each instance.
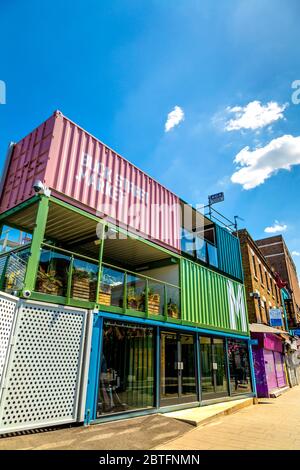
(236, 218)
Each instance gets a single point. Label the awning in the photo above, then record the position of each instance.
(261, 328)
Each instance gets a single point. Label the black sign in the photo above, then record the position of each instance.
(214, 198)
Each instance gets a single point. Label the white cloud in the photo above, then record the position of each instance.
(254, 115)
(174, 118)
(254, 167)
(295, 253)
(276, 227)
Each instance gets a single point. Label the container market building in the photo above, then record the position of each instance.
(119, 298)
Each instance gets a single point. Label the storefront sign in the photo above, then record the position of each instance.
(275, 317)
(214, 198)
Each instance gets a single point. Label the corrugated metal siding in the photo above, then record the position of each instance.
(112, 189)
(27, 163)
(80, 169)
(229, 254)
(205, 297)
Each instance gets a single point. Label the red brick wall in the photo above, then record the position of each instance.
(284, 265)
(257, 281)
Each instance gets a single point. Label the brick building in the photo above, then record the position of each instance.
(277, 254)
(262, 292)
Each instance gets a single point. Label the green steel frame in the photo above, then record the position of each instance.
(38, 242)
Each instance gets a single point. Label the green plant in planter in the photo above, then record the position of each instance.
(135, 300)
(173, 310)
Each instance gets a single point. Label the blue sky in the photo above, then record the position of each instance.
(119, 67)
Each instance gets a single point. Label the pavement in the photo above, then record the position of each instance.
(272, 424)
(205, 414)
(134, 434)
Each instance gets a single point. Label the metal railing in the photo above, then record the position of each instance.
(133, 291)
(71, 276)
(13, 266)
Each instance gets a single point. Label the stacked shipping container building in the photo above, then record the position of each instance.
(118, 298)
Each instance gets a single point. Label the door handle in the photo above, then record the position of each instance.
(178, 366)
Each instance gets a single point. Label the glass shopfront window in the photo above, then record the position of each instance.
(238, 358)
(213, 368)
(127, 368)
(177, 368)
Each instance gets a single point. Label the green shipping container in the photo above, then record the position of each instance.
(229, 254)
(212, 300)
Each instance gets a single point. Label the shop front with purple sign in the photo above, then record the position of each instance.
(268, 363)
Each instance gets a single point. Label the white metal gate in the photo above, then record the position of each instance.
(41, 382)
(8, 305)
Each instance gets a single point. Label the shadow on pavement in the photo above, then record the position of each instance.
(137, 433)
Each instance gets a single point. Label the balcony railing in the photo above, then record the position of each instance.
(135, 292)
(13, 268)
(73, 277)
(62, 273)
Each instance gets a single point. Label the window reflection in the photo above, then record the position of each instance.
(201, 249)
(111, 287)
(136, 293)
(238, 358)
(127, 368)
(84, 280)
(212, 255)
(200, 245)
(187, 242)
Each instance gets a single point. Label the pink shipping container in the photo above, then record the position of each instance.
(81, 170)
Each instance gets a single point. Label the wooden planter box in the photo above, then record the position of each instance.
(81, 289)
(104, 298)
(154, 304)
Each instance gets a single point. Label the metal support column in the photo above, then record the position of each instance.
(101, 247)
(157, 377)
(252, 367)
(37, 239)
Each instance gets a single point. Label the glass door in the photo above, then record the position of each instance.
(219, 367)
(127, 372)
(214, 382)
(169, 367)
(178, 374)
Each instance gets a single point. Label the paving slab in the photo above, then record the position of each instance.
(204, 414)
(273, 424)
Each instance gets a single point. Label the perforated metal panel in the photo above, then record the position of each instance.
(42, 382)
(7, 312)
